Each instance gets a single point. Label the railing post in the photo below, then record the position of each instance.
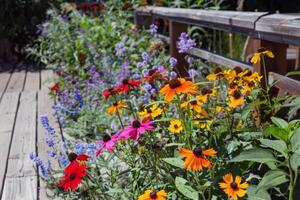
(175, 29)
(277, 64)
(143, 20)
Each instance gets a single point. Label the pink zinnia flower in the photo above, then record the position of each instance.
(136, 129)
(108, 143)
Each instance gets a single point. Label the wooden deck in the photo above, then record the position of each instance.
(23, 98)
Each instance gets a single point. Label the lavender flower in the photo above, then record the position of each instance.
(173, 74)
(185, 43)
(120, 49)
(192, 73)
(173, 61)
(45, 123)
(49, 142)
(153, 29)
(189, 59)
(145, 57)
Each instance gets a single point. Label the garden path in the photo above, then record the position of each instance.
(23, 98)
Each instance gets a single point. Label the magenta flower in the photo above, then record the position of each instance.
(108, 143)
(136, 129)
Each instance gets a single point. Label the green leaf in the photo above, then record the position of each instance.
(253, 194)
(279, 122)
(295, 140)
(293, 73)
(277, 132)
(272, 179)
(177, 162)
(186, 190)
(277, 145)
(255, 155)
(295, 162)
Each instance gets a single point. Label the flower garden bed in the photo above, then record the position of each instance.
(140, 131)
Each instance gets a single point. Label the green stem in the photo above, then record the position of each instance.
(291, 185)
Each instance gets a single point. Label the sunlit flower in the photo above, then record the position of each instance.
(151, 112)
(153, 195)
(175, 126)
(233, 188)
(196, 159)
(108, 142)
(177, 86)
(73, 176)
(81, 158)
(126, 85)
(261, 52)
(193, 105)
(136, 129)
(218, 74)
(236, 100)
(116, 107)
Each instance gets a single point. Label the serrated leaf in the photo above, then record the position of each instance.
(255, 155)
(272, 179)
(186, 190)
(277, 145)
(177, 162)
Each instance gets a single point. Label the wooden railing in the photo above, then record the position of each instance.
(274, 32)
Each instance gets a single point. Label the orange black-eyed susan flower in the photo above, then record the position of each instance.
(73, 175)
(177, 86)
(153, 195)
(196, 159)
(175, 126)
(193, 105)
(261, 52)
(218, 74)
(151, 112)
(233, 188)
(236, 100)
(116, 107)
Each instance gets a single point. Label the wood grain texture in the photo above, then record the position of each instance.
(46, 76)
(32, 82)
(219, 59)
(24, 138)
(8, 109)
(20, 188)
(4, 78)
(286, 86)
(16, 82)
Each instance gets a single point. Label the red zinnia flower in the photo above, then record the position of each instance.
(55, 88)
(73, 175)
(155, 75)
(125, 85)
(107, 93)
(79, 158)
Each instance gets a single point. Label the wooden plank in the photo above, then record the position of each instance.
(16, 82)
(175, 30)
(223, 20)
(44, 108)
(143, 20)
(287, 86)
(4, 78)
(20, 188)
(8, 109)
(32, 82)
(219, 59)
(46, 76)
(24, 138)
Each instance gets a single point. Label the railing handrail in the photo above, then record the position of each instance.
(281, 28)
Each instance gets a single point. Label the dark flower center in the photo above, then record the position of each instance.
(204, 91)
(262, 49)
(73, 176)
(197, 152)
(151, 72)
(115, 104)
(174, 83)
(106, 138)
(125, 81)
(149, 110)
(234, 186)
(217, 70)
(232, 85)
(72, 156)
(194, 102)
(236, 95)
(249, 73)
(251, 84)
(176, 126)
(238, 70)
(153, 195)
(136, 124)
